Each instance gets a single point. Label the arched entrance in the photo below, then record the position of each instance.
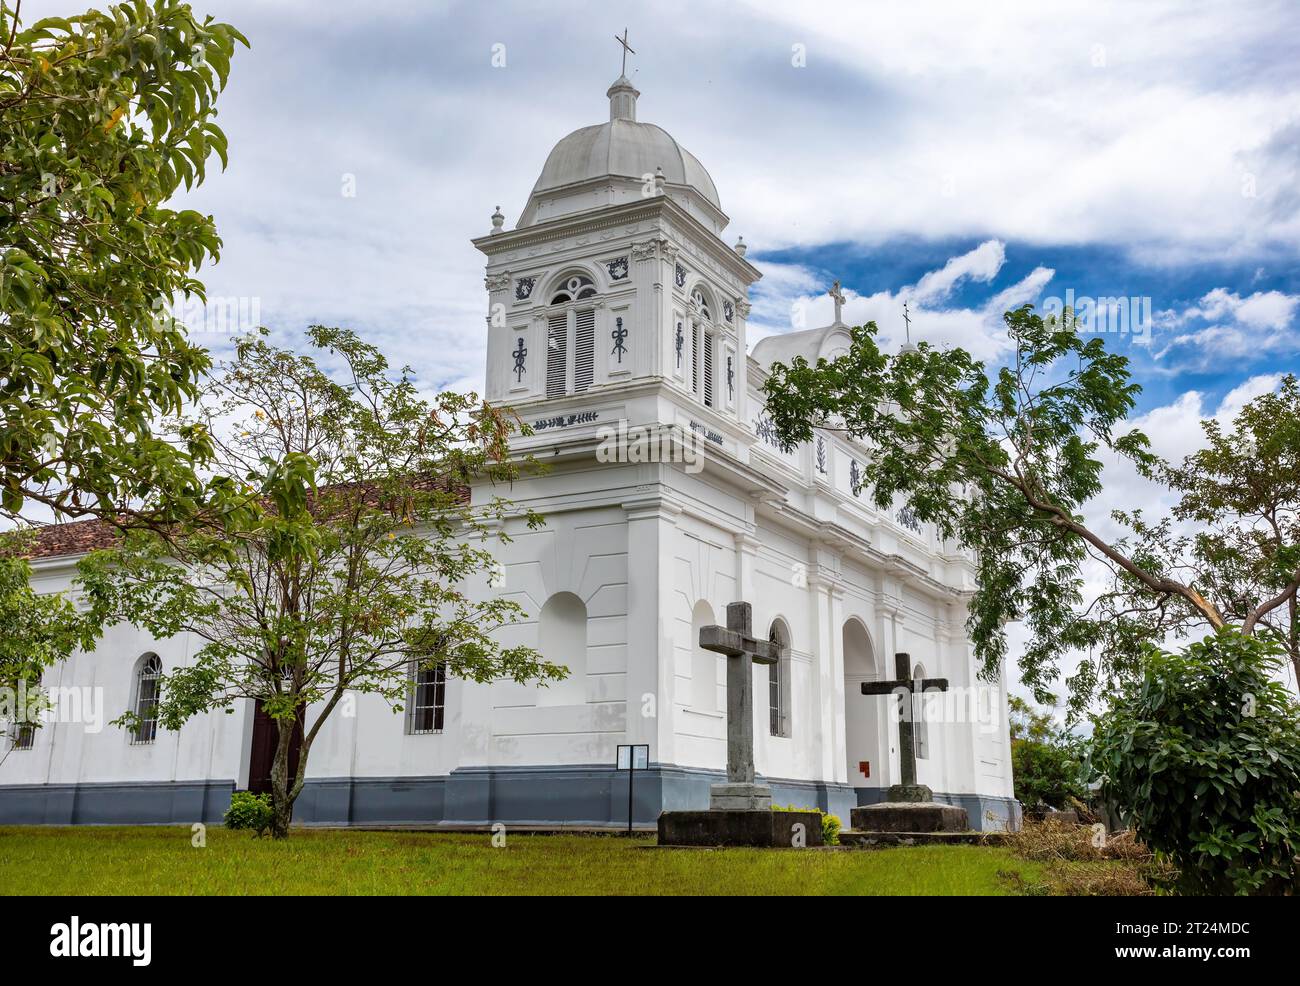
(861, 712)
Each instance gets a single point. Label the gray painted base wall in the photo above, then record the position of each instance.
(577, 795)
(156, 802)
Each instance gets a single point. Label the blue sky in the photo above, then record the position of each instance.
(964, 157)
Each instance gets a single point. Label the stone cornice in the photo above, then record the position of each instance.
(612, 216)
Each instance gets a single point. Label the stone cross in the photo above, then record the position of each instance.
(905, 686)
(743, 650)
(837, 296)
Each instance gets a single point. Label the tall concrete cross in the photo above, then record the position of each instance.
(905, 687)
(837, 296)
(743, 650)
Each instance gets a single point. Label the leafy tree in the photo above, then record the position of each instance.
(103, 117)
(355, 574)
(1047, 762)
(1203, 754)
(37, 630)
(1003, 463)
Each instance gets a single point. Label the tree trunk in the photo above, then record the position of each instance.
(281, 782)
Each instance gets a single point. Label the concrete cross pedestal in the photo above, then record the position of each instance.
(740, 810)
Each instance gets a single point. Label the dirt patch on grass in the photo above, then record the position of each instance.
(1080, 862)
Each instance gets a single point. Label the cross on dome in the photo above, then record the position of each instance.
(626, 49)
(907, 346)
(838, 297)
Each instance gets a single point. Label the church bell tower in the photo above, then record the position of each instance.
(615, 298)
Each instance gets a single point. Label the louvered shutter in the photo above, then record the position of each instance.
(557, 351)
(584, 351)
(695, 358)
(708, 369)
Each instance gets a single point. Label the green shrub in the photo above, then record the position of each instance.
(831, 824)
(1047, 762)
(250, 811)
(1203, 756)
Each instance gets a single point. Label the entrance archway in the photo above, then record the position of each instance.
(861, 713)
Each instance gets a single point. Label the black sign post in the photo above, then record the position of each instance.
(632, 757)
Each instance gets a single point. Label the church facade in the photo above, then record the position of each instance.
(616, 328)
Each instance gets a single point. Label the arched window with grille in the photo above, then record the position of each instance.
(571, 336)
(148, 674)
(778, 682)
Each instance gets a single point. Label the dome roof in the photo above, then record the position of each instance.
(811, 344)
(623, 149)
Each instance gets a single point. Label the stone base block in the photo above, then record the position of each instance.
(904, 816)
(775, 829)
(740, 797)
(910, 793)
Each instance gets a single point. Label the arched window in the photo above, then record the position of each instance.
(778, 682)
(426, 701)
(704, 663)
(148, 671)
(920, 729)
(571, 329)
(702, 350)
(562, 639)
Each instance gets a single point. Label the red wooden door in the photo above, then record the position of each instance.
(266, 735)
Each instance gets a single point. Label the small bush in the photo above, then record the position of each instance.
(831, 824)
(250, 811)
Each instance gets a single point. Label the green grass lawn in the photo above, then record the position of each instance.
(160, 860)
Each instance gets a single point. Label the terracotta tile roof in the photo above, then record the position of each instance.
(83, 536)
(76, 538)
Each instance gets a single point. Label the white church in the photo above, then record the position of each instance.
(615, 307)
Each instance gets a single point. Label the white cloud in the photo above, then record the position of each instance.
(794, 297)
(1238, 327)
(980, 264)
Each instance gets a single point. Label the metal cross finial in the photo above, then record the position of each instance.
(838, 297)
(907, 322)
(626, 49)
